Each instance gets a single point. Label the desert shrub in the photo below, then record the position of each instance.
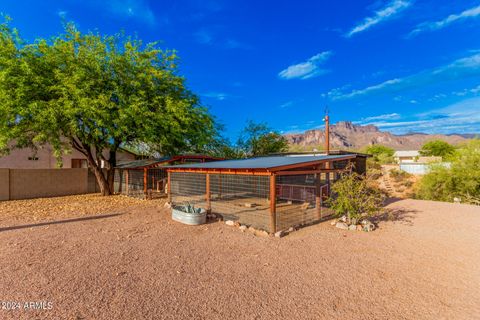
(355, 196)
(381, 154)
(399, 175)
(437, 148)
(461, 179)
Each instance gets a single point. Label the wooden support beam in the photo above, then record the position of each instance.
(207, 193)
(127, 176)
(169, 189)
(145, 182)
(318, 201)
(273, 204)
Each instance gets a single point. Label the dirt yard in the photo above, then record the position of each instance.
(134, 262)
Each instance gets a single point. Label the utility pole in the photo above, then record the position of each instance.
(327, 131)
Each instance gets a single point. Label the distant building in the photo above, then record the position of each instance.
(44, 158)
(406, 156)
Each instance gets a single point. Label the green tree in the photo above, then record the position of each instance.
(380, 154)
(460, 179)
(437, 148)
(257, 139)
(355, 196)
(95, 93)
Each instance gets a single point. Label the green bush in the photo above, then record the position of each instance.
(461, 179)
(355, 196)
(437, 148)
(381, 154)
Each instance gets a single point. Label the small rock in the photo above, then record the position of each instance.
(279, 234)
(250, 205)
(252, 230)
(261, 233)
(230, 223)
(457, 200)
(352, 227)
(343, 218)
(243, 228)
(291, 229)
(341, 225)
(237, 224)
(368, 227)
(334, 222)
(359, 227)
(167, 205)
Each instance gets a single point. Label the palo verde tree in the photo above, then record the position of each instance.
(257, 139)
(437, 148)
(96, 93)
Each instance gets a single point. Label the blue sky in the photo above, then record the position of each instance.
(403, 65)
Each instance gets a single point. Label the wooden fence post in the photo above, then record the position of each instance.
(169, 189)
(318, 195)
(207, 193)
(273, 205)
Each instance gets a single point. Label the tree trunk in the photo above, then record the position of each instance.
(112, 163)
(102, 181)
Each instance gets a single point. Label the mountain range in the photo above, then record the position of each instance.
(346, 135)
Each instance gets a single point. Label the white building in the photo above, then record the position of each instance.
(406, 156)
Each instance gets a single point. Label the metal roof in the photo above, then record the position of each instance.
(263, 162)
(142, 163)
(137, 164)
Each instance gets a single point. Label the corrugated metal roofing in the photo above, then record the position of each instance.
(262, 162)
(142, 163)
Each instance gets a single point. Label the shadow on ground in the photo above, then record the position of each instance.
(41, 224)
(401, 215)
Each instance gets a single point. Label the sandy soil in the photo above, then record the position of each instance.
(136, 263)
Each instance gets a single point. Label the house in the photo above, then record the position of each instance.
(269, 193)
(44, 158)
(402, 156)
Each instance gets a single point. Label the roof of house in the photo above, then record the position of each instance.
(406, 153)
(146, 163)
(267, 163)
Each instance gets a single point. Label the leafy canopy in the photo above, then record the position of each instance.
(381, 154)
(437, 148)
(96, 93)
(257, 139)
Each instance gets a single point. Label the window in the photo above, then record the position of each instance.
(79, 163)
(33, 158)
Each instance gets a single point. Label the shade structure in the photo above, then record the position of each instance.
(270, 193)
(147, 178)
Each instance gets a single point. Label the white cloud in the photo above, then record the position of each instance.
(458, 69)
(137, 9)
(217, 95)
(435, 25)
(386, 13)
(388, 116)
(459, 117)
(308, 69)
(203, 36)
(286, 104)
(62, 13)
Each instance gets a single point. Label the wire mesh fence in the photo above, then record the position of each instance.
(297, 202)
(131, 182)
(300, 199)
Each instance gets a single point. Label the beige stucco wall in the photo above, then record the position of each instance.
(39, 183)
(18, 158)
(4, 184)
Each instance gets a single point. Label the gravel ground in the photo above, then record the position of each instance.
(136, 263)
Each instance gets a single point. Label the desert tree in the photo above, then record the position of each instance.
(95, 93)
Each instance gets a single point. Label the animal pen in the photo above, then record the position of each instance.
(269, 193)
(147, 179)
